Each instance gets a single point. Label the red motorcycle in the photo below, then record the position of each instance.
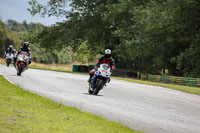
(22, 62)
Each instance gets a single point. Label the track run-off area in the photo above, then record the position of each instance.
(146, 108)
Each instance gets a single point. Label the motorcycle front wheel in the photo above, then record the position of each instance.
(20, 69)
(8, 64)
(99, 85)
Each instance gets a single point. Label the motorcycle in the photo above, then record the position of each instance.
(22, 62)
(9, 58)
(100, 79)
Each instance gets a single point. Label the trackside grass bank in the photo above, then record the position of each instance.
(187, 89)
(48, 68)
(24, 112)
(2, 61)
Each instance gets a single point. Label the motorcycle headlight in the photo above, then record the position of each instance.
(21, 59)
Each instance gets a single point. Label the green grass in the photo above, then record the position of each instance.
(51, 69)
(2, 62)
(187, 89)
(24, 112)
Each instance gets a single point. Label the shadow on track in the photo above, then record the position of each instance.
(92, 95)
(16, 76)
(13, 75)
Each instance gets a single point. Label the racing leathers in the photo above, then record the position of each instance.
(9, 50)
(26, 50)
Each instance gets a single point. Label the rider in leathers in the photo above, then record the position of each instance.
(105, 59)
(25, 48)
(9, 50)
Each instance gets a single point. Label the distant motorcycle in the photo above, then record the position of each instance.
(100, 79)
(9, 58)
(22, 62)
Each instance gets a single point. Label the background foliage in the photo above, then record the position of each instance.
(14, 33)
(156, 37)
(7, 38)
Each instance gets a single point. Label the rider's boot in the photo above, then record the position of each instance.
(90, 78)
(14, 62)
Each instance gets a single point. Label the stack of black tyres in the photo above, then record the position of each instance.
(82, 68)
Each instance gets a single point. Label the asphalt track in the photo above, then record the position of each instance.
(145, 108)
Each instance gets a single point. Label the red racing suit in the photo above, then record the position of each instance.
(103, 60)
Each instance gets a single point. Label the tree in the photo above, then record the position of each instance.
(7, 38)
(15, 26)
(145, 36)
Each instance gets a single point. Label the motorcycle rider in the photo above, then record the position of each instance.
(24, 47)
(10, 49)
(105, 59)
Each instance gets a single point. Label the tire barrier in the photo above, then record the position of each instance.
(174, 80)
(124, 73)
(80, 68)
(75, 68)
(116, 72)
(155, 78)
(90, 67)
(83, 68)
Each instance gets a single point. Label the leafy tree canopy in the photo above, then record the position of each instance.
(145, 36)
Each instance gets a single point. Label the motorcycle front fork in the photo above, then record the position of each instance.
(93, 80)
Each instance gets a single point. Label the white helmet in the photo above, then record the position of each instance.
(10, 47)
(107, 53)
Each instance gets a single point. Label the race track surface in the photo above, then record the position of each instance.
(145, 108)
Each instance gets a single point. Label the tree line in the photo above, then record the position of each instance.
(15, 33)
(7, 38)
(22, 27)
(146, 36)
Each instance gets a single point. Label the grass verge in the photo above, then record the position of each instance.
(22, 111)
(55, 69)
(187, 89)
(48, 68)
(2, 61)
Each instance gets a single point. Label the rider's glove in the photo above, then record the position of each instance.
(96, 68)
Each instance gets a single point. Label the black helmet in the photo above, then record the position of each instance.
(25, 45)
(107, 53)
